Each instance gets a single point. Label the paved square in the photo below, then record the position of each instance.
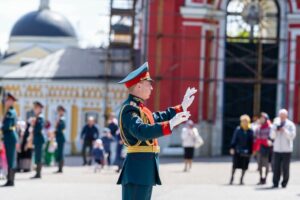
(207, 180)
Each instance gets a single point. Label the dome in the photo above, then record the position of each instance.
(44, 23)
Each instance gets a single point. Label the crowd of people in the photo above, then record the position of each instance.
(270, 143)
(24, 142)
(98, 146)
(42, 142)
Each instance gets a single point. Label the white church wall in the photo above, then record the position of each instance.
(88, 97)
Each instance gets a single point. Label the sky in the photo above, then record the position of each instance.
(90, 18)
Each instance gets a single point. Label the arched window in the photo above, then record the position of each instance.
(248, 20)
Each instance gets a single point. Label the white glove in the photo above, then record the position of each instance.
(179, 118)
(188, 98)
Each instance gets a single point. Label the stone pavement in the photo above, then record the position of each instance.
(207, 180)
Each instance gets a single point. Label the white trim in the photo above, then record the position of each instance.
(202, 24)
(195, 4)
(212, 71)
(294, 6)
(42, 39)
(201, 12)
(223, 5)
(80, 120)
(18, 43)
(293, 18)
(294, 34)
(282, 57)
(201, 72)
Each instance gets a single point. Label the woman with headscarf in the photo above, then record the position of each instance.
(241, 147)
(190, 138)
(263, 146)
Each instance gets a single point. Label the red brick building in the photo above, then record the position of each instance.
(243, 56)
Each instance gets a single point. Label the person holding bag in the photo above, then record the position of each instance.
(241, 147)
(190, 140)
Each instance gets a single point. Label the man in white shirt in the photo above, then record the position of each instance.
(283, 133)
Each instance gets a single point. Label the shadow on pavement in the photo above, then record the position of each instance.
(266, 188)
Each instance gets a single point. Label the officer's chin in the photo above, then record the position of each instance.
(147, 97)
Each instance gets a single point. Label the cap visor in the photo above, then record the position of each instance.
(149, 79)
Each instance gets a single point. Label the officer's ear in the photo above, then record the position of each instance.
(132, 88)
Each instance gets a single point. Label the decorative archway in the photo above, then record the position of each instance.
(293, 5)
(251, 63)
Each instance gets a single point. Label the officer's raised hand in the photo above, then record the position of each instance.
(188, 98)
(179, 118)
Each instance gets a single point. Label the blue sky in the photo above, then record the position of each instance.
(89, 18)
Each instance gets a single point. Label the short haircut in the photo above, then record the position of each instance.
(91, 118)
(283, 111)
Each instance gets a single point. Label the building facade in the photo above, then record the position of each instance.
(43, 62)
(243, 56)
(80, 98)
(81, 80)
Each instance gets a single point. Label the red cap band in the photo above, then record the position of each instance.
(137, 79)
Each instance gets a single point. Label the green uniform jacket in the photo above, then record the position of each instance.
(38, 139)
(142, 168)
(10, 136)
(59, 132)
(60, 139)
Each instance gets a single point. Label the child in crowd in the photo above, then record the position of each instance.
(107, 139)
(120, 152)
(98, 154)
(50, 149)
(2, 160)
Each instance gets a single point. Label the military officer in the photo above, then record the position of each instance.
(60, 138)
(10, 137)
(38, 137)
(139, 129)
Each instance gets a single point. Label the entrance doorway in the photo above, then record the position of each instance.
(251, 66)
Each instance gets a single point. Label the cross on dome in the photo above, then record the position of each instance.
(44, 4)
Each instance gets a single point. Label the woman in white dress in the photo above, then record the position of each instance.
(190, 140)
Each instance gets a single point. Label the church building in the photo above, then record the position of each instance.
(43, 62)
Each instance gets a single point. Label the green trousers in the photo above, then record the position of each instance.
(38, 153)
(59, 153)
(136, 192)
(49, 157)
(10, 148)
